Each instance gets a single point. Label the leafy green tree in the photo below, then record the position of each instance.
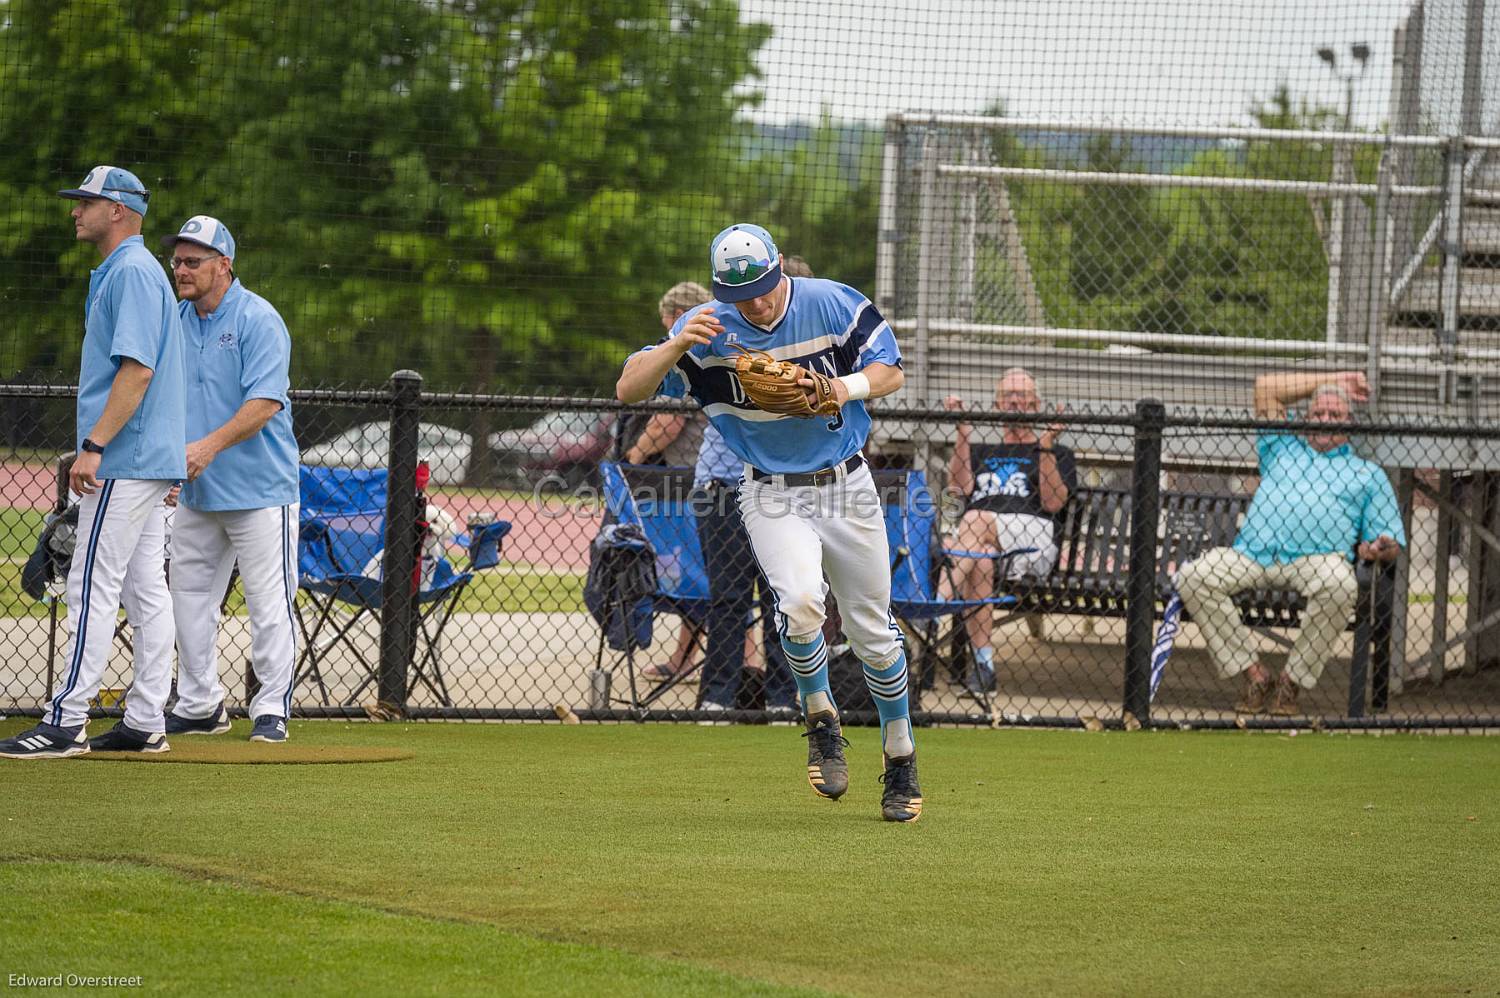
(492, 191)
(1115, 233)
(84, 83)
(819, 196)
(1247, 263)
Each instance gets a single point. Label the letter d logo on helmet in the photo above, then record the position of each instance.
(745, 262)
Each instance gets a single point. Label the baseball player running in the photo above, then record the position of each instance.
(241, 497)
(130, 452)
(807, 500)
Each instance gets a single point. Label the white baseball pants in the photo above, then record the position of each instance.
(205, 546)
(1327, 581)
(799, 533)
(119, 559)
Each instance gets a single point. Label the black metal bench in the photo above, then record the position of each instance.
(1091, 575)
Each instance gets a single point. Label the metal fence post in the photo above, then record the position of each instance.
(398, 603)
(1145, 509)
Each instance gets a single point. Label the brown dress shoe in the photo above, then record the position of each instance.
(1253, 700)
(1285, 704)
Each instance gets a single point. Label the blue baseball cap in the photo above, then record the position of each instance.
(205, 231)
(745, 262)
(110, 183)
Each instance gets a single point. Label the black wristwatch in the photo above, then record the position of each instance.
(90, 446)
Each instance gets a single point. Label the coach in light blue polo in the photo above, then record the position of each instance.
(124, 319)
(240, 502)
(130, 451)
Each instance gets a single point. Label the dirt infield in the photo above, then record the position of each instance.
(1074, 672)
(549, 535)
(27, 484)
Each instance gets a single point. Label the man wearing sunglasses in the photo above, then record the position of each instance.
(131, 443)
(240, 502)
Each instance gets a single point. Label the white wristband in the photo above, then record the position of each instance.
(857, 385)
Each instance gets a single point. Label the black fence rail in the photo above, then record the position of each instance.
(463, 556)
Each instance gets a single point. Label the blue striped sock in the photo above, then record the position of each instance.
(888, 687)
(809, 664)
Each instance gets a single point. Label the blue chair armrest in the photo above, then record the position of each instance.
(484, 544)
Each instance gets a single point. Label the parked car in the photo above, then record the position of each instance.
(563, 448)
(368, 445)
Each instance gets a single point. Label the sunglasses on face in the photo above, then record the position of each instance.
(190, 262)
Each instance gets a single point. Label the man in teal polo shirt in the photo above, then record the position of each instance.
(1317, 508)
(131, 442)
(241, 499)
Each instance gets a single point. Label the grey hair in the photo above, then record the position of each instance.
(1020, 370)
(795, 266)
(1329, 388)
(681, 297)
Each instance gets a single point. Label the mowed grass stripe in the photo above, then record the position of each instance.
(186, 935)
(507, 589)
(1045, 862)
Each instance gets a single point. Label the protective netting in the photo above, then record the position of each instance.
(495, 193)
(1128, 200)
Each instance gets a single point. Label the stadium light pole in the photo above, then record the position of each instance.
(1359, 53)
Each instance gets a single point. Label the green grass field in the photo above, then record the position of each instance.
(508, 589)
(19, 529)
(692, 860)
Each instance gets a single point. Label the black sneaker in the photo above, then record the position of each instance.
(826, 769)
(268, 728)
(214, 724)
(123, 738)
(46, 741)
(902, 799)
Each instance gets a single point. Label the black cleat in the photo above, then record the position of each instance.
(826, 769)
(902, 799)
(46, 741)
(214, 724)
(123, 738)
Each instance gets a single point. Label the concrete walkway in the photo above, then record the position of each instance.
(538, 660)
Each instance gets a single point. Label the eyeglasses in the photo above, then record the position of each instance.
(143, 194)
(191, 262)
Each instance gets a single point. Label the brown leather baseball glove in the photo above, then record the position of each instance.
(772, 385)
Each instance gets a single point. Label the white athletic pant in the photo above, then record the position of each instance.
(1327, 581)
(118, 560)
(205, 546)
(801, 533)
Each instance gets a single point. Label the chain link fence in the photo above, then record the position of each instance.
(506, 604)
(1124, 202)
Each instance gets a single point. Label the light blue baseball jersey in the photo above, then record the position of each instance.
(1312, 502)
(129, 313)
(827, 327)
(238, 352)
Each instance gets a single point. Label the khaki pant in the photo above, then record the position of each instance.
(1326, 581)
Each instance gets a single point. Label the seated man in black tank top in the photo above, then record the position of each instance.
(1015, 487)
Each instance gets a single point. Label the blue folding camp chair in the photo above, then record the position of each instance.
(655, 499)
(911, 514)
(341, 540)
